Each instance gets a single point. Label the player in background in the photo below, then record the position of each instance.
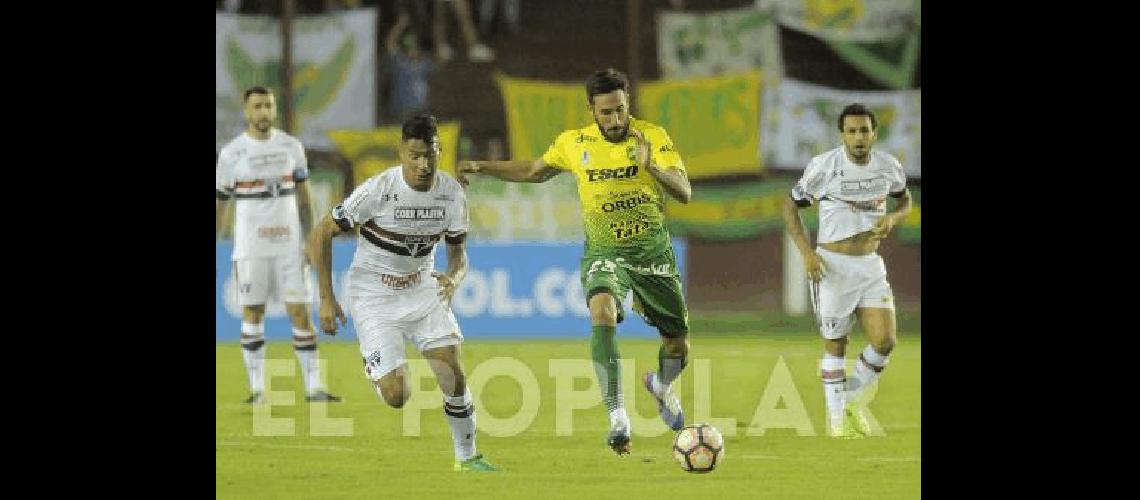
(264, 171)
(394, 293)
(851, 184)
(623, 166)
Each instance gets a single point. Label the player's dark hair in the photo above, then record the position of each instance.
(605, 81)
(857, 109)
(254, 90)
(421, 126)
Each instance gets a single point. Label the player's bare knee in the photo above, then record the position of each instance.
(397, 400)
(603, 309)
(835, 347)
(253, 314)
(394, 391)
(884, 346)
(299, 316)
(677, 346)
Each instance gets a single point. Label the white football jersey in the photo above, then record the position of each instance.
(261, 176)
(400, 227)
(851, 197)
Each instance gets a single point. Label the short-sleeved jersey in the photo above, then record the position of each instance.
(262, 177)
(401, 226)
(622, 204)
(851, 197)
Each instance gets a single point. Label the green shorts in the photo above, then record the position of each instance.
(655, 284)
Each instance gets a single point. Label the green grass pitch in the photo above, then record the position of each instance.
(380, 457)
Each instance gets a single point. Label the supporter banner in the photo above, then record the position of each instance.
(334, 69)
(807, 124)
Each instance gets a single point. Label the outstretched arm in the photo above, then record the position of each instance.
(511, 171)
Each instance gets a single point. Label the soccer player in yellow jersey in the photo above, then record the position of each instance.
(623, 166)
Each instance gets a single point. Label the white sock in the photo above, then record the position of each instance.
(305, 345)
(655, 384)
(867, 369)
(833, 375)
(461, 418)
(253, 352)
(619, 419)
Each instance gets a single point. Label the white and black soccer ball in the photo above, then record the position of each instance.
(698, 448)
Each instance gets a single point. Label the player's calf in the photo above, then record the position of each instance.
(833, 374)
(870, 365)
(253, 353)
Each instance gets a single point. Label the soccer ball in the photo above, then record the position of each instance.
(698, 448)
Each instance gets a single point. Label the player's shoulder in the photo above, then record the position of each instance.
(386, 177)
(885, 158)
(649, 128)
(234, 147)
(448, 184)
(586, 134)
(380, 180)
(830, 157)
(284, 138)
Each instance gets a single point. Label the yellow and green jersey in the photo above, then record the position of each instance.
(622, 204)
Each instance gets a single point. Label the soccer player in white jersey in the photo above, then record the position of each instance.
(264, 171)
(851, 183)
(394, 294)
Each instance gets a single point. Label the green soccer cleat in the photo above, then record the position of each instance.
(846, 430)
(853, 415)
(475, 463)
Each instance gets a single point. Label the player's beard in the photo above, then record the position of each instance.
(606, 132)
(263, 126)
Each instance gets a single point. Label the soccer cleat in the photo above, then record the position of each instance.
(844, 430)
(475, 463)
(853, 414)
(255, 398)
(667, 403)
(322, 396)
(618, 440)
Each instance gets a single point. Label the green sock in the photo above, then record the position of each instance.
(603, 348)
(669, 366)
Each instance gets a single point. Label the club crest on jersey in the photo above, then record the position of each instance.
(414, 243)
(273, 186)
(585, 158)
(420, 213)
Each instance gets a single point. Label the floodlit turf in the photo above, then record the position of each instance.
(379, 452)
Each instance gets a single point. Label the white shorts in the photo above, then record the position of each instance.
(849, 282)
(258, 277)
(384, 321)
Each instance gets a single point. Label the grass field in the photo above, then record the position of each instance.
(378, 458)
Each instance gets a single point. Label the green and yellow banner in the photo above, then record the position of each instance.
(537, 111)
(713, 121)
